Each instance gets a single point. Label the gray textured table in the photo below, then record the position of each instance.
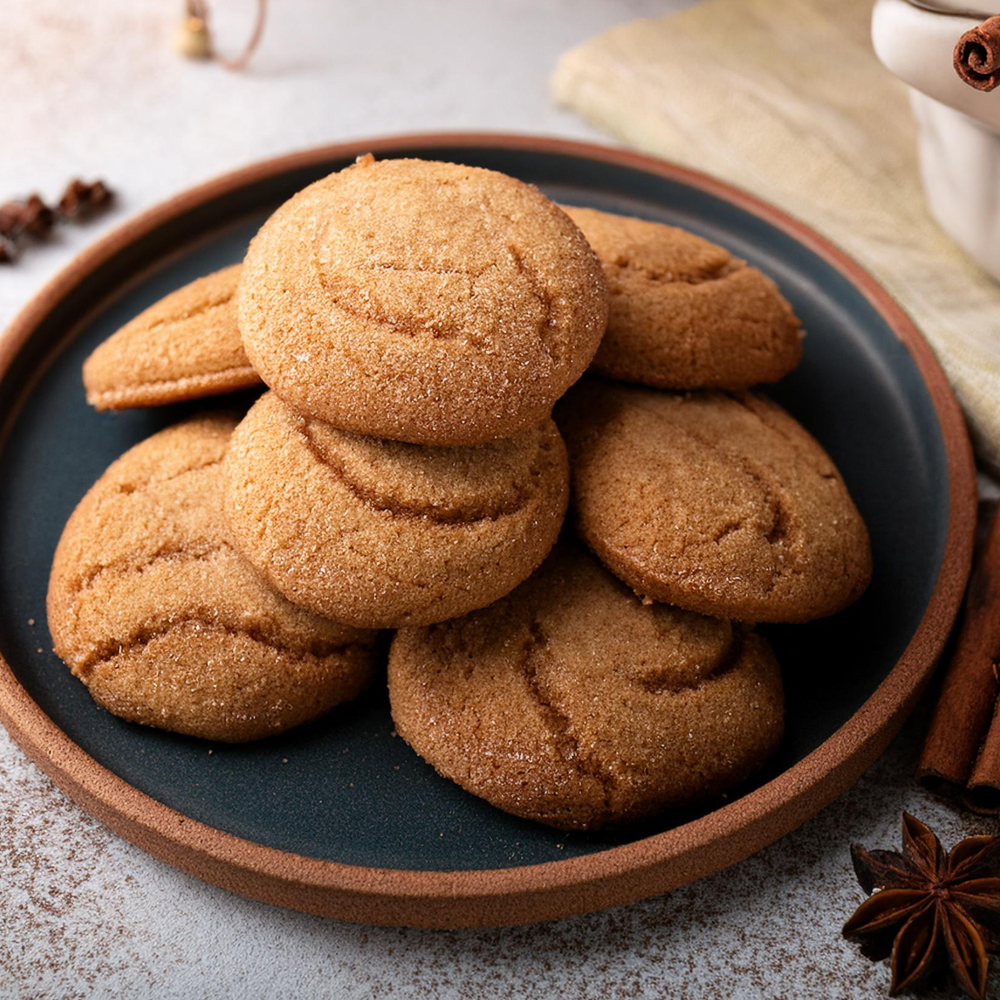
(94, 90)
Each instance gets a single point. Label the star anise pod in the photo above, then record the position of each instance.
(933, 910)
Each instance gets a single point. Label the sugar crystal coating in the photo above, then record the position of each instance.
(152, 607)
(573, 703)
(685, 313)
(720, 503)
(419, 301)
(185, 346)
(381, 533)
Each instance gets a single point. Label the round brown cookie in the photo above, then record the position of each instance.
(155, 611)
(719, 503)
(185, 346)
(381, 534)
(419, 301)
(685, 313)
(573, 703)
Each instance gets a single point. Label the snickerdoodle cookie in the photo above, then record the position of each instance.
(573, 703)
(685, 313)
(380, 533)
(419, 301)
(719, 503)
(167, 625)
(185, 346)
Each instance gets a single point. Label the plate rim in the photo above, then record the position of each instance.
(532, 893)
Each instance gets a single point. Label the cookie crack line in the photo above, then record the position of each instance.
(106, 652)
(545, 327)
(440, 271)
(559, 723)
(127, 489)
(726, 663)
(339, 290)
(719, 272)
(202, 310)
(745, 401)
(125, 567)
(377, 502)
(779, 530)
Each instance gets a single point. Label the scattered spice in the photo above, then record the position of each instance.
(31, 216)
(36, 217)
(33, 219)
(935, 911)
(81, 200)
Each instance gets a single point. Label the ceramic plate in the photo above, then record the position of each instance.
(341, 817)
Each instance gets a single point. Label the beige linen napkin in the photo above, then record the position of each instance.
(786, 99)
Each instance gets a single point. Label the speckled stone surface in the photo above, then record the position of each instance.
(84, 914)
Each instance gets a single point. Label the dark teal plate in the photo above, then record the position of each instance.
(346, 789)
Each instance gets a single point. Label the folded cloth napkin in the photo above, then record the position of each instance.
(786, 99)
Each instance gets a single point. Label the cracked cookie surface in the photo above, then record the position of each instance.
(716, 502)
(185, 346)
(152, 607)
(684, 313)
(419, 301)
(381, 533)
(571, 702)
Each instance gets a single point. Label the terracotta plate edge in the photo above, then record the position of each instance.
(559, 888)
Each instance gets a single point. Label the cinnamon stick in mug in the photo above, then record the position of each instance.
(977, 55)
(961, 755)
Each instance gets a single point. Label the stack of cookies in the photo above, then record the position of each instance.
(415, 324)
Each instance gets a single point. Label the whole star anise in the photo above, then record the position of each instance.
(933, 910)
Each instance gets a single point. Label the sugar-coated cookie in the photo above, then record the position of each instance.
(719, 503)
(185, 346)
(380, 534)
(684, 313)
(154, 610)
(573, 703)
(419, 301)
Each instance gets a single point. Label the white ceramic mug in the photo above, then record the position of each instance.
(959, 126)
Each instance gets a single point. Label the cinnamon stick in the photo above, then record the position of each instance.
(977, 55)
(983, 794)
(961, 755)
